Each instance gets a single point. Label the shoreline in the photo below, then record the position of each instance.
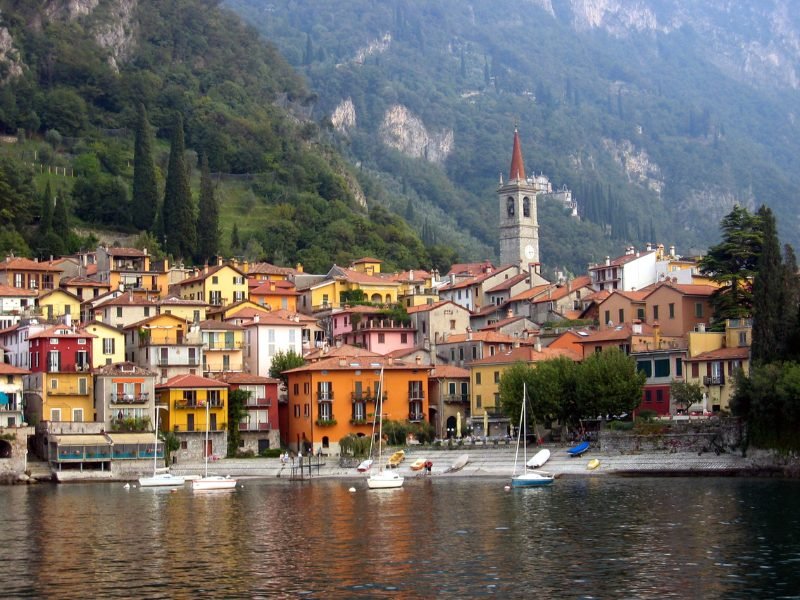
(495, 463)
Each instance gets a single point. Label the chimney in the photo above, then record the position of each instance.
(672, 251)
(538, 345)
(608, 261)
(469, 333)
(256, 318)
(342, 362)
(637, 328)
(418, 359)
(205, 268)
(452, 278)
(219, 261)
(411, 275)
(629, 250)
(299, 267)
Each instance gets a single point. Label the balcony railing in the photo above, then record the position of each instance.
(416, 417)
(418, 395)
(366, 396)
(379, 324)
(192, 404)
(69, 390)
(222, 345)
(258, 426)
(175, 361)
(325, 396)
(141, 398)
(259, 402)
(461, 398)
(714, 380)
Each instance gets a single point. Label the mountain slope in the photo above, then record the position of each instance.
(656, 113)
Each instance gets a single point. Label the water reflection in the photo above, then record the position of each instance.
(594, 537)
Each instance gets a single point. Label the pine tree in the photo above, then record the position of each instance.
(144, 204)
(236, 242)
(61, 218)
(208, 215)
(768, 294)
(46, 220)
(177, 211)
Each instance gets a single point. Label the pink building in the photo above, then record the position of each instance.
(371, 328)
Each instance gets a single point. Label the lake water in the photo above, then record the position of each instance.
(590, 537)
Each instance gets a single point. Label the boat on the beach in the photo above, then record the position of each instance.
(395, 459)
(593, 464)
(364, 465)
(458, 464)
(541, 457)
(526, 478)
(579, 449)
(418, 464)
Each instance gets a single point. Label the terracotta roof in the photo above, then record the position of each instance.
(66, 332)
(215, 310)
(687, 289)
(143, 322)
(366, 259)
(517, 171)
(470, 269)
(245, 378)
(211, 271)
(502, 323)
(526, 354)
(491, 337)
(274, 318)
(10, 291)
(58, 290)
(350, 363)
(125, 299)
(406, 276)
(508, 283)
(246, 314)
(621, 260)
(25, 264)
(722, 354)
(530, 293)
(597, 297)
(80, 281)
(637, 296)
(274, 289)
(620, 332)
(265, 268)
(476, 280)
(358, 276)
(343, 350)
(190, 381)
(124, 368)
(10, 370)
(448, 371)
(429, 307)
(173, 300)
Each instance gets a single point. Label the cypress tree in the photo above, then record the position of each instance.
(236, 242)
(791, 305)
(46, 220)
(145, 188)
(61, 219)
(208, 215)
(177, 212)
(768, 292)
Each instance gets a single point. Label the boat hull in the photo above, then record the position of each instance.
(214, 483)
(531, 480)
(579, 449)
(539, 459)
(161, 480)
(364, 466)
(384, 480)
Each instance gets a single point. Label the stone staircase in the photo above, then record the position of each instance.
(39, 470)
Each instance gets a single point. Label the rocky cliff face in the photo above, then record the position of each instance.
(761, 46)
(407, 133)
(636, 164)
(9, 55)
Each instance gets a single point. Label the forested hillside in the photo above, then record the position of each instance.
(74, 77)
(658, 114)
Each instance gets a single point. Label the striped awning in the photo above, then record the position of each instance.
(80, 440)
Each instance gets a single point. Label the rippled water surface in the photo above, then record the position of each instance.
(599, 537)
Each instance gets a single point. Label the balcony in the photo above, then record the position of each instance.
(64, 389)
(416, 396)
(329, 422)
(69, 368)
(178, 361)
(325, 396)
(366, 396)
(222, 345)
(416, 417)
(714, 380)
(141, 398)
(258, 402)
(258, 426)
(193, 404)
(456, 398)
(381, 325)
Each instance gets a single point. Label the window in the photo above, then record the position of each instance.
(55, 414)
(214, 279)
(403, 338)
(184, 445)
(662, 367)
(296, 411)
(119, 312)
(640, 313)
(19, 280)
(698, 310)
(621, 315)
(83, 387)
(510, 207)
(678, 367)
(478, 401)
(743, 338)
(478, 378)
(381, 338)
(497, 376)
(474, 352)
(306, 409)
(460, 354)
(671, 310)
(695, 370)
(324, 299)
(659, 395)
(655, 312)
(77, 415)
(645, 366)
(296, 389)
(526, 207)
(452, 324)
(108, 345)
(607, 318)
(146, 311)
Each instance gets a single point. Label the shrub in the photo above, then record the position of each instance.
(270, 453)
(647, 415)
(245, 453)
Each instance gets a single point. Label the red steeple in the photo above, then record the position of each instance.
(517, 166)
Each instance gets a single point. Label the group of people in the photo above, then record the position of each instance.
(285, 458)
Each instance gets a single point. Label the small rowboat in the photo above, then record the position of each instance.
(364, 466)
(541, 457)
(418, 464)
(458, 464)
(579, 449)
(396, 458)
(593, 464)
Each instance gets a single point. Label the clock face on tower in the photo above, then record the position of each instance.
(529, 253)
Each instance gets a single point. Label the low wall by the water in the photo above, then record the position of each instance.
(15, 460)
(708, 435)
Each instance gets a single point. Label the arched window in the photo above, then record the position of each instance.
(510, 204)
(325, 442)
(526, 207)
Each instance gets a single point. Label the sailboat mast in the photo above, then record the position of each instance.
(155, 441)
(380, 415)
(205, 450)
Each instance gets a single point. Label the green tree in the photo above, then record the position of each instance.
(177, 209)
(768, 292)
(283, 361)
(236, 241)
(686, 393)
(237, 401)
(61, 218)
(208, 216)
(144, 203)
(172, 443)
(608, 383)
(732, 263)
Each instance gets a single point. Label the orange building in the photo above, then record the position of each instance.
(336, 396)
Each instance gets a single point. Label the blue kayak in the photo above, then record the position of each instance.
(579, 449)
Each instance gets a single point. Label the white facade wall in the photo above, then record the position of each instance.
(263, 341)
(639, 272)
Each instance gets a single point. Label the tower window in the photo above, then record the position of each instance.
(526, 207)
(510, 204)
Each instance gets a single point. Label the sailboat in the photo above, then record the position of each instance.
(529, 478)
(161, 477)
(385, 478)
(212, 482)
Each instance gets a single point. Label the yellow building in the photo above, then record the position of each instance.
(23, 273)
(332, 292)
(333, 397)
(223, 344)
(108, 345)
(189, 310)
(485, 374)
(416, 288)
(196, 404)
(57, 303)
(275, 295)
(130, 269)
(244, 309)
(218, 286)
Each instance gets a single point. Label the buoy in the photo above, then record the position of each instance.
(352, 489)
(508, 487)
(127, 486)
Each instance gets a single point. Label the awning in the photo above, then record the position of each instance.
(80, 440)
(131, 438)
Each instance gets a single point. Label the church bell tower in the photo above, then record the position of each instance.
(519, 225)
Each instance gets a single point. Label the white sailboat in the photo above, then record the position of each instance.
(529, 478)
(212, 482)
(160, 477)
(385, 478)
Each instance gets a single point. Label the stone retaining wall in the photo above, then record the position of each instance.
(710, 435)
